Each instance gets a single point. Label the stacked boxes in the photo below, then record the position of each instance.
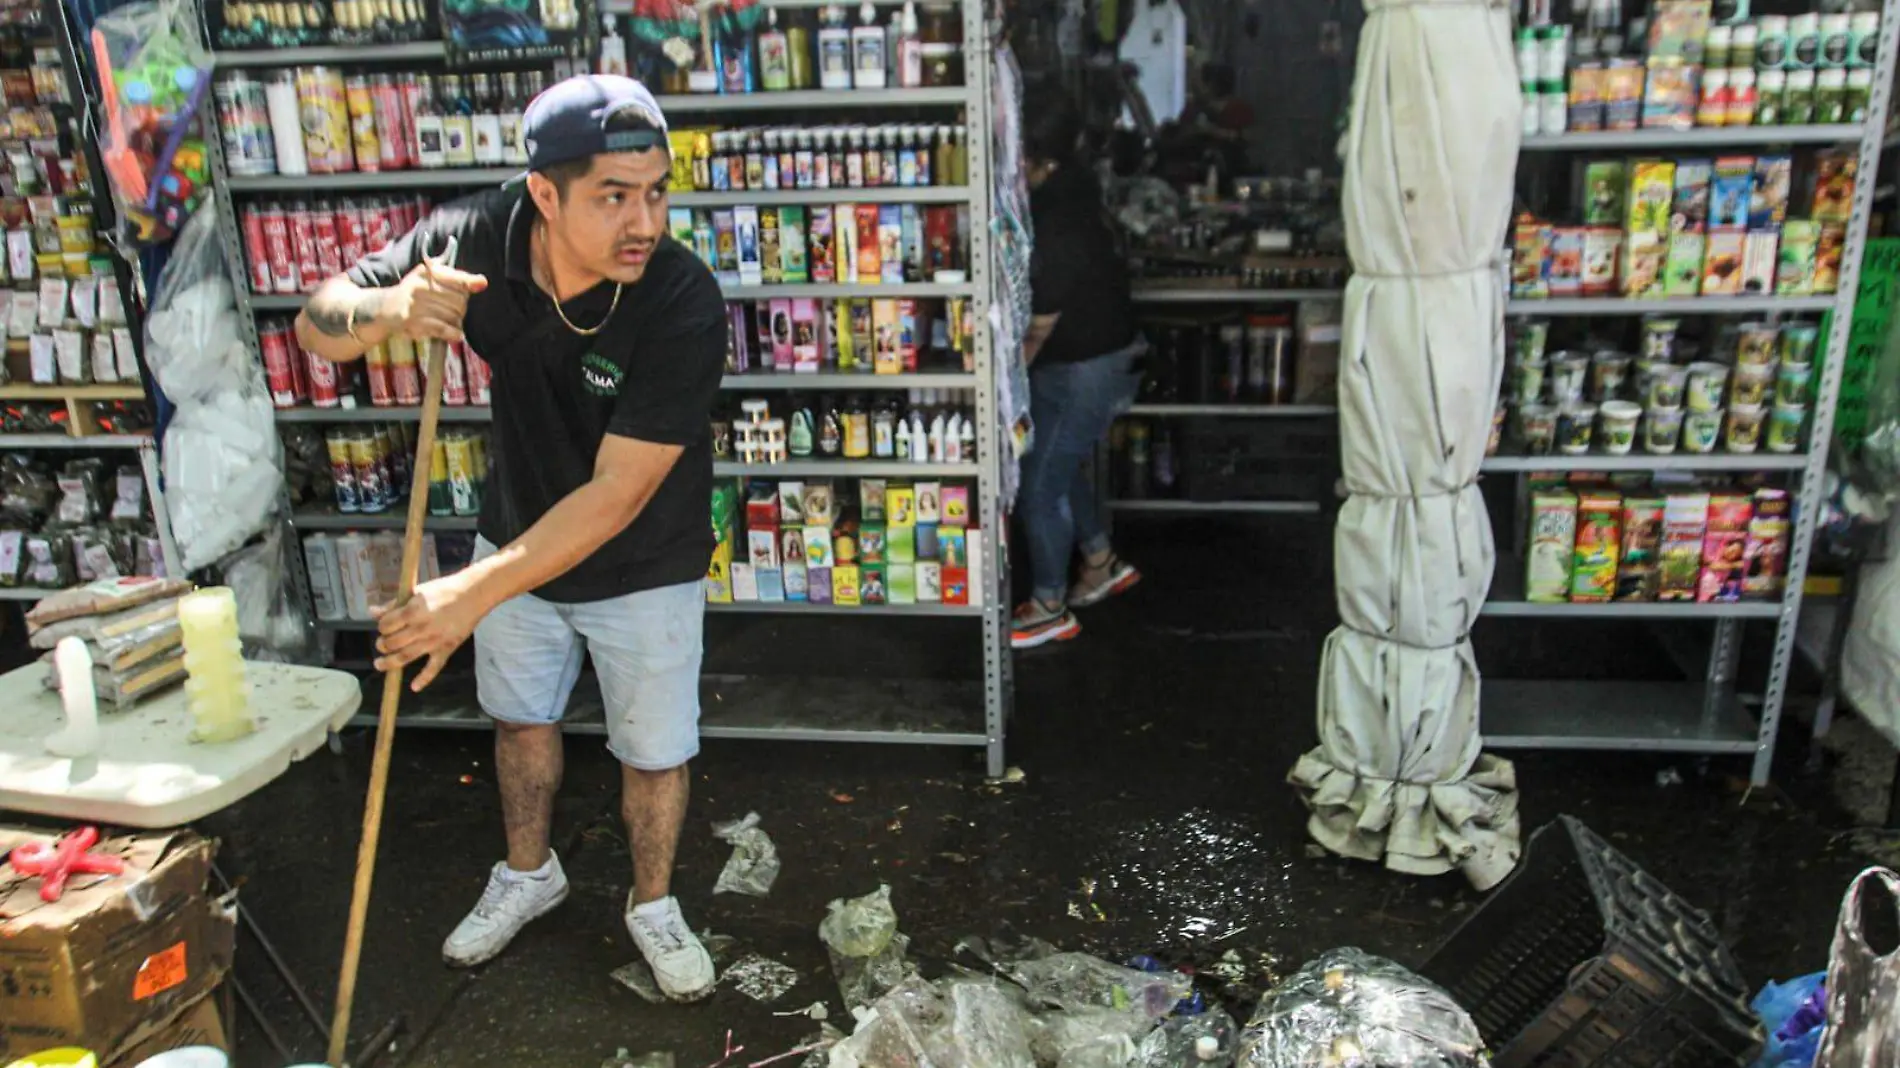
(1595, 540)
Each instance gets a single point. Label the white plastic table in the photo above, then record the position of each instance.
(147, 772)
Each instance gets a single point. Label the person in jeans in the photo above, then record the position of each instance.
(1085, 360)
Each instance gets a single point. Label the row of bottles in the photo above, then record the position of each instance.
(476, 123)
(927, 426)
(825, 157)
(919, 46)
(281, 24)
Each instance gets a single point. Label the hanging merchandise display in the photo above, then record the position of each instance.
(153, 77)
(1156, 44)
(1430, 154)
(516, 31)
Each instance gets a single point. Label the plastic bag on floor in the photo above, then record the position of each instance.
(893, 1032)
(1793, 1014)
(623, 1059)
(987, 1028)
(1349, 1007)
(1079, 981)
(867, 952)
(1101, 1051)
(1190, 1041)
(1054, 1035)
(754, 862)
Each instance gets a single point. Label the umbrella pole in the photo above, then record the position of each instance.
(392, 699)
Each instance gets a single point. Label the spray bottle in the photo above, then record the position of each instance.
(867, 50)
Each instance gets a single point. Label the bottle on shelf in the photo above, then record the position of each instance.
(831, 430)
(909, 52)
(613, 47)
(431, 132)
(485, 123)
(857, 430)
(798, 42)
(458, 123)
(513, 149)
(868, 60)
(775, 61)
(834, 50)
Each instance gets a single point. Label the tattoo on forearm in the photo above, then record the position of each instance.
(330, 313)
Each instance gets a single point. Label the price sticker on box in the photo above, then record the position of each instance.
(161, 972)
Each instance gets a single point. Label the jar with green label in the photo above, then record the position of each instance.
(1860, 94)
(1770, 85)
(1830, 95)
(1797, 102)
(1771, 42)
(1863, 39)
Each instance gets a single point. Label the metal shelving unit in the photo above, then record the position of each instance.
(1166, 507)
(969, 713)
(1705, 715)
(1190, 295)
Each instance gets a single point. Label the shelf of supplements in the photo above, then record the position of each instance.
(919, 711)
(406, 52)
(409, 414)
(1670, 306)
(843, 382)
(1636, 461)
(1216, 507)
(1230, 296)
(812, 99)
(68, 441)
(326, 517)
(1697, 138)
(371, 181)
(1507, 599)
(1659, 717)
(845, 469)
(1241, 411)
(833, 291)
(894, 194)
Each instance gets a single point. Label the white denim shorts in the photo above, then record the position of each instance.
(646, 649)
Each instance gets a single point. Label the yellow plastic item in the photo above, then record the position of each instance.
(216, 692)
(63, 1057)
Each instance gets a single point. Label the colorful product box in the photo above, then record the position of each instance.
(738, 340)
(705, 239)
(1602, 253)
(797, 580)
(1604, 183)
(870, 256)
(679, 222)
(1677, 29)
(900, 506)
(771, 264)
(822, 246)
(1827, 257)
(792, 253)
(975, 539)
(1651, 193)
(745, 582)
(791, 546)
(745, 221)
(1682, 270)
(890, 244)
(912, 222)
(820, 504)
(1669, 95)
(1564, 277)
(1552, 545)
(1723, 547)
(1768, 199)
(844, 585)
(1759, 262)
(1834, 176)
(804, 335)
(953, 546)
(762, 548)
(719, 574)
(1731, 192)
(1794, 265)
(900, 544)
(1679, 561)
(818, 549)
(1644, 257)
(772, 585)
(818, 585)
(956, 585)
(928, 546)
(1722, 263)
(871, 492)
(929, 502)
(1599, 539)
(1689, 213)
(1765, 558)
(872, 588)
(1636, 576)
(929, 581)
(903, 583)
(888, 355)
(871, 543)
(791, 504)
(956, 506)
(1530, 259)
(726, 246)
(761, 505)
(845, 253)
(779, 323)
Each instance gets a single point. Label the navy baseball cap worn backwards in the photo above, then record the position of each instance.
(569, 120)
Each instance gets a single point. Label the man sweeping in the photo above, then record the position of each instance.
(607, 341)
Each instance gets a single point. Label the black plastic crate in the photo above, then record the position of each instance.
(1239, 459)
(1581, 960)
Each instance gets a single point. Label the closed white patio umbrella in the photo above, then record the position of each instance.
(1431, 150)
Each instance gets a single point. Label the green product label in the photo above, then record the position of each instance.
(1866, 336)
(600, 376)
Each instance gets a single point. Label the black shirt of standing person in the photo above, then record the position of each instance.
(1077, 269)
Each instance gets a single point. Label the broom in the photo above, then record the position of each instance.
(392, 694)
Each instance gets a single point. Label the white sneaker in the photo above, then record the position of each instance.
(680, 964)
(511, 901)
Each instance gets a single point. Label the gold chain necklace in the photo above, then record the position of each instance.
(555, 298)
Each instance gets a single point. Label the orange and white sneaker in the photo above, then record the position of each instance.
(1118, 576)
(1037, 624)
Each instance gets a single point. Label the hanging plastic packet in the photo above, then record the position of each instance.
(754, 861)
(153, 79)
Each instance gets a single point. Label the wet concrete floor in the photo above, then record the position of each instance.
(1153, 817)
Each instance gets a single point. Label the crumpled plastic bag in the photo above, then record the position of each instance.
(866, 949)
(955, 1024)
(1099, 1051)
(272, 624)
(223, 473)
(1794, 1014)
(1079, 981)
(1055, 1036)
(1177, 1042)
(154, 78)
(754, 862)
(1348, 1007)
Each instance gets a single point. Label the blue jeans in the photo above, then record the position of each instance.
(1073, 405)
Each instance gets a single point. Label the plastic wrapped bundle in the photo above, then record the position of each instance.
(1350, 1009)
(866, 949)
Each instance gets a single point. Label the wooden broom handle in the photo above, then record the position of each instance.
(392, 694)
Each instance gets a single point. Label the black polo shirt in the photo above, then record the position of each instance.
(1077, 270)
(651, 374)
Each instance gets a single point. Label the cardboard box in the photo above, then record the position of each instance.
(202, 1024)
(1722, 263)
(719, 574)
(1759, 262)
(1685, 520)
(1765, 558)
(953, 547)
(1604, 183)
(871, 584)
(1599, 538)
(956, 585)
(818, 547)
(1723, 547)
(900, 506)
(118, 958)
(1552, 544)
(1690, 212)
(1768, 200)
(771, 584)
(903, 583)
(844, 585)
(818, 585)
(1682, 268)
(820, 504)
(871, 500)
(956, 506)
(791, 504)
(770, 263)
(1731, 192)
(745, 581)
(797, 586)
(1642, 540)
(762, 548)
(1644, 257)
(929, 581)
(926, 541)
(871, 543)
(929, 502)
